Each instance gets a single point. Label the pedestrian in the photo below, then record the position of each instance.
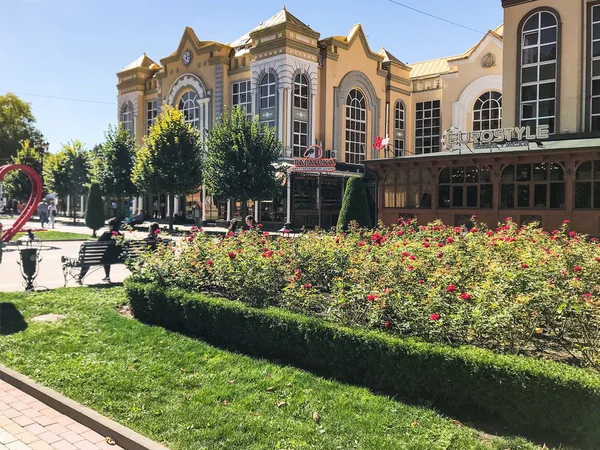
(250, 222)
(43, 210)
(232, 226)
(52, 214)
(197, 215)
(155, 210)
(19, 207)
(112, 233)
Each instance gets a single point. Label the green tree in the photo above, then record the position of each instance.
(354, 205)
(170, 161)
(16, 184)
(113, 163)
(241, 158)
(16, 125)
(68, 172)
(94, 214)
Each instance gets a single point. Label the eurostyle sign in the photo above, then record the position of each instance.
(313, 161)
(505, 135)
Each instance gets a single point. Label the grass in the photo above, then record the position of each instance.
(189, 395)
(51, 235)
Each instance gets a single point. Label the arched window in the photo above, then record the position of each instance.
(587, 185)
(539, 71)
(300, 114)
(268, 100)
(127, 117)
(538, 185)
(407, 188)
(356, 127)
(190, 108)
(487, 112)
(466, 187)
(399, 128)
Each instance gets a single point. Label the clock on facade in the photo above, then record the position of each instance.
(186, 58)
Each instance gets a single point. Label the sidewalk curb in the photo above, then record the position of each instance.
(123, 436)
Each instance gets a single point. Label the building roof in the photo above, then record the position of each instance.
(283, 16)
(143, 62)
(387, 56)
(431, 67)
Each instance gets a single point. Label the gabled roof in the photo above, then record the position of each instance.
(490, 34)
(142, 62)
(283, 16)
(356, 32)
(431, 67)
(197, 43)
(387, 56)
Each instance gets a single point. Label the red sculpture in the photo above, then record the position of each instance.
(32, 204)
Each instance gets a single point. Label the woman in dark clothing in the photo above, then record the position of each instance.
(232, 226)
(113, 232)
(250, 223)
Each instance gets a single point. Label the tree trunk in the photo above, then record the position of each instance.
(93, 233)
(244, 210)
(73, 203)
(170, 203)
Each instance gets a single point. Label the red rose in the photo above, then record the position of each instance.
(597, 259)
(474, 230)
(440, 244)
(410, 267)
(524, 266)
(421, 281)
(426, 245)
(566, 221)
(388, 324)
(307, 286)
(440, 254)
(361, 244)
(209, 262)
(371, 297)
(465, 296)
(457, 230)
(434, 317)
(572, 234)
(412, 257)
(115, 233)
(450, 240)
(577, 269)
(232, 255)
(405, 253)
(588, 295)
(451, 288)
(193, 228)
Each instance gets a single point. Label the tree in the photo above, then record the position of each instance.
(16, 125)
(113, 164)
(170, 161)
(241, 158)
(16, 184)
(354, 205)
(94, 214)
(67, 172)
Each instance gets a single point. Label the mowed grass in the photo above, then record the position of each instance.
(191, 396)
(51, 235)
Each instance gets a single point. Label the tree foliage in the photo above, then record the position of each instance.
(354, 205)
(170, 161)
(241, 157)
(68, 171)
(16, 125)
(16, 184)
(94, 214)
(113, 162)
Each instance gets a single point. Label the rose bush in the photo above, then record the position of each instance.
(513, 289)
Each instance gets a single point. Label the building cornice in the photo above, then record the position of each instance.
(399, 90)
(281, 43)
(509, 3)
(401, 80)
(218, 60)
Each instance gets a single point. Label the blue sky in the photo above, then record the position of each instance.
(73, 48)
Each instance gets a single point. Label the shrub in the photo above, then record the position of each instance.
(536, 398)
(355, 207)
(94, 215)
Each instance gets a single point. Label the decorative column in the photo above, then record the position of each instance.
(257, 210)
(140, 204)
(229, 209)
(289, 196)
(290, 128)
(176, 205)
(203, 203)
(280, 115)
(168, 210)
(81, 206)
(68, 205)
(313, 118)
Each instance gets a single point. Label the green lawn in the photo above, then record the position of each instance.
(52, 235)
(191, 396)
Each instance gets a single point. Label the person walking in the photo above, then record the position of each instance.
(52, 214)
(112, 233)
(43, 211)
(196, 213)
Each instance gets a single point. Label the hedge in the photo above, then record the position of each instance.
(539, 399)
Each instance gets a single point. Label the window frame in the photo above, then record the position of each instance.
(531, 184)
(300, 128)
(270, 96)
(590, 68)
(592, 182)
(195, 122)
(489, 120)
(151, 113)
(395, 189)
(399, 125)
(421, 116)
(520, 66)
(465, 185)
(236, 96)
(351, 156)
(127, 110)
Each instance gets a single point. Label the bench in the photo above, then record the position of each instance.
(96, 254)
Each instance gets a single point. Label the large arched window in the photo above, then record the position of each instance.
(127, 117)
(268, 98)
(539, 71)
(465, 187)
(190, 108)
(587, 185)
(300, 114)
(356, 127)
(487, 112)
(538, 185)
(407, 188)
(399, 128)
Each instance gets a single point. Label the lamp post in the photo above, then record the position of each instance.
(41, 147)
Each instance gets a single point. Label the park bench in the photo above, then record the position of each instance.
(96, 254)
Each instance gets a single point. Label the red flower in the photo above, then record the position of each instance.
(577, 269)
(426, 245)
(474, 230)
(440, 254)
(473, 217)
(209, 262)
(421, 281)
(440, 244)
(232, 255)
(371, 297)
(239, 250)
(231, 233)
(406, 254)
(572, 234)
(451, 288)
(434, 317)
(377, 239)
(337, 240)
(588, 295)
(450, 240)
(259, 225)
(388, 324)
(597, 259)
(194, 228)
(566, 221)
(465, 296)
(115, 233)
(410, 267)
(361, 244)
(457, 230)
(412, 257)
(307, 286)
(524, 266)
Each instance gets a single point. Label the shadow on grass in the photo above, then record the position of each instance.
(11, 320)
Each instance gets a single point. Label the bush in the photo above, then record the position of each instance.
(535, 398)
(94, 215)
(355, 207)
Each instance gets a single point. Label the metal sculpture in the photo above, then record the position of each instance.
(34, 199)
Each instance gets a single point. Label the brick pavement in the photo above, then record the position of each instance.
(28, 424)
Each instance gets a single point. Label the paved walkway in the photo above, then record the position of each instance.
(28, 424)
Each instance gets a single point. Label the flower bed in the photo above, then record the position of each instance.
(512, 290)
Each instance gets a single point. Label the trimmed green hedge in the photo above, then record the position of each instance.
(539, 399)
